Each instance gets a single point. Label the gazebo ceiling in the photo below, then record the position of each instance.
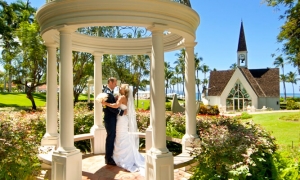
(179, 20)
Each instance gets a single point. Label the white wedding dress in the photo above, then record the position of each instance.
(126, 154)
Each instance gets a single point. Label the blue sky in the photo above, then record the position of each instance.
(218, 33)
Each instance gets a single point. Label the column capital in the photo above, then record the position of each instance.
(65, 28)
(190, 44)
(51, 45)
(156, 27)
(97, 53)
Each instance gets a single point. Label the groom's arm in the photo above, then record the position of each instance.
(117, 111)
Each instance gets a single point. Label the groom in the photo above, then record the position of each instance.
(110, 120)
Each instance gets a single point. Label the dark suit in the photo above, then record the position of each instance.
(110, 122)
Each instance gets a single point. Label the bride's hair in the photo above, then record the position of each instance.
(126, 88)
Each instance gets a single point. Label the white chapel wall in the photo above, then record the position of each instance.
(269, 102)
(237, 75)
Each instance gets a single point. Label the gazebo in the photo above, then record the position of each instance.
(172, 25)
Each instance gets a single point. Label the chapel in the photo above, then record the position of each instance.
(244, 89)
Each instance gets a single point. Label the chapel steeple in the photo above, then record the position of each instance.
(242, 59)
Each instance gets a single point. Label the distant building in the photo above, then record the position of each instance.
(243, 88)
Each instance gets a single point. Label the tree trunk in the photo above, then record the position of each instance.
(293, 90)
(9, 82)
(76, 96)
(30, 97)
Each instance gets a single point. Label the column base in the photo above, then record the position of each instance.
(66, 166)
(148, 138)
(159, 167)
(99, 139)
(50, 141)
(188, 141)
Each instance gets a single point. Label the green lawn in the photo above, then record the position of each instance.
(20, 100)
(284, 131)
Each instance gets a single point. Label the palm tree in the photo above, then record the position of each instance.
(177, 72)
(7, 27)
(233, 66)
(173, 81)
(283, 78)
(197, 69)
(24, 11)
(180, 64)
(168, 75)
(291, 77)
(204, 69)
(279, 62)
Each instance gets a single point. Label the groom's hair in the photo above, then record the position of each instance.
(111, 79)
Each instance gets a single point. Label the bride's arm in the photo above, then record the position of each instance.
(114, 105)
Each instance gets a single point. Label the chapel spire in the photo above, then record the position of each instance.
(242, 53)
(242, 46)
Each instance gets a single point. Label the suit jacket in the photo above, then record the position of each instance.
(110, 112)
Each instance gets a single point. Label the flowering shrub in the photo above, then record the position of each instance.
(20, 135)
(230, 149)
(210, 110)
(175, 125)
(143, 120)
(83, 122)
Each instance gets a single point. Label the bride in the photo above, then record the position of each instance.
(126, 154)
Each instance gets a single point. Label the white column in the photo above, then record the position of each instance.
(190, 96)
(98, 129)
(149, 129)
(51, 136)
(66, 160)
(159, 161)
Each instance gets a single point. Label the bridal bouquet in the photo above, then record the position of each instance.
(101, 97)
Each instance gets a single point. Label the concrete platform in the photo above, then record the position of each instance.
(94, 168)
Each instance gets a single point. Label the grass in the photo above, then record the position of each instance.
(19, 100)
(286, 132)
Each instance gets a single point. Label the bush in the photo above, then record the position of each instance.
(175, 125)
(83, 122)
(209, 110)
(291, 105)
(20, 137)
(143, 120)
(245, 115)
(287, 163)
(168, 106)
(230, 149)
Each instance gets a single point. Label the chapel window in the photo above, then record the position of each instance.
(238, 98)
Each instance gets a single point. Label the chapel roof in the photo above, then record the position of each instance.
(264, 82)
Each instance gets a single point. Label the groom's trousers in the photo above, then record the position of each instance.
(110, 126)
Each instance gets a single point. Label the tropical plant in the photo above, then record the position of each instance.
(290, 30)
(180, 65)
(279, 62)
(233, 66)
(291, 78)
(168, 75)
(8, 21)
(197, 69)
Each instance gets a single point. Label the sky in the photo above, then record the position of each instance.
(218, 33)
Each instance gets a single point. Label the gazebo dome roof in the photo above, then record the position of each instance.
(178, 21)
